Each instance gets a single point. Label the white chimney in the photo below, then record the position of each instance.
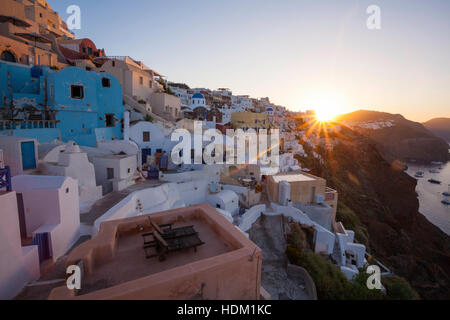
(126, 125)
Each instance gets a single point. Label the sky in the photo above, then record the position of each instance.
(302, 54)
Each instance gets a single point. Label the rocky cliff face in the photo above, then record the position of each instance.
(385, 201)
(397, 138)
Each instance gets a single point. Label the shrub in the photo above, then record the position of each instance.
(296, 237)
(351, 221)
(332, 284)
(148, 118)
(398, 288)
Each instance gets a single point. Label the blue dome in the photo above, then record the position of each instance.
(269, 109)
(198, 96)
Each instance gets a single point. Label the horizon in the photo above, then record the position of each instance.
(301, 54)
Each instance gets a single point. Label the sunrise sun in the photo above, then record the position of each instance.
(326, 106)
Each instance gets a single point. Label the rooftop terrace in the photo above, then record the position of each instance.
(226, 266)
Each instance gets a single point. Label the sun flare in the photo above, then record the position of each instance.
(325, 114)
(326, 106)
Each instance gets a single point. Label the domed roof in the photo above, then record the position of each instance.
(269, 109)
(198, 96)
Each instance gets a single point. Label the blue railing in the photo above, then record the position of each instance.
(27, 124)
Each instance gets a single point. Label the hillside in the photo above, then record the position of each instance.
(397, 138)
(379, 202)
(440, 127)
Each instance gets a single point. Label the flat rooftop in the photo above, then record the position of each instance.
(130, 263)
(294, 177)
(115, 265)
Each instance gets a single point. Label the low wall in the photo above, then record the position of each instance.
(164, 197)
(232, 275)
(309, 282)
(250, 217)
(324, 238)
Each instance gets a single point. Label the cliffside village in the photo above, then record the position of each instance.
(86, 175)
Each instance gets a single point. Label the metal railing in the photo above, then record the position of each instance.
(27, 124)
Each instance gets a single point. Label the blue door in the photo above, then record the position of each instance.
(42, 240)
(146, 152)
(28, 155)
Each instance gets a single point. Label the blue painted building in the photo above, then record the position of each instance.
(67, 104)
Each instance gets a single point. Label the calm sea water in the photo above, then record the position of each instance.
(430, 195)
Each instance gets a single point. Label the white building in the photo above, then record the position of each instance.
(150, 138)
(114, 172)
(183, 94)
(20, 154)
(68, 160)
(197, 100)
(225, 200)
(351, 255)
(50, 208)
(18, 265)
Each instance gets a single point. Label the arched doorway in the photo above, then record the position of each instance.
(8, 56)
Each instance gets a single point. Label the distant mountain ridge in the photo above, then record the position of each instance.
(440, 127)
(396, 137)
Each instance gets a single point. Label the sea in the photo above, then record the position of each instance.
(430, 195)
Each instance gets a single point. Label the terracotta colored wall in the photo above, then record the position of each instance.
(21, 50)
(232, 275)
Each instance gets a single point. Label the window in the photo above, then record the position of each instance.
(129, 170)
(109, 173)
(146, 136)
(40, 15)
(141, 80)
(106, 83)
(8, 56)
(109, 119)
(77, 92)
(150, 84)
(113, 63)
(89, 50)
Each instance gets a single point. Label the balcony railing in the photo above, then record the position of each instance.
(27, 124)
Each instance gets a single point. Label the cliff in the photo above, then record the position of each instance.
(384, 199)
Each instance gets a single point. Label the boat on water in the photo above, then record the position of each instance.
(438, 163)
(419, 174)
(434, 181)
(446, 202)
(434, 171)
(447, 193)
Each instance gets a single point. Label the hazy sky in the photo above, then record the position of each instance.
(301, 54)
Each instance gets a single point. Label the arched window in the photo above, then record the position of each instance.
(8, 56)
